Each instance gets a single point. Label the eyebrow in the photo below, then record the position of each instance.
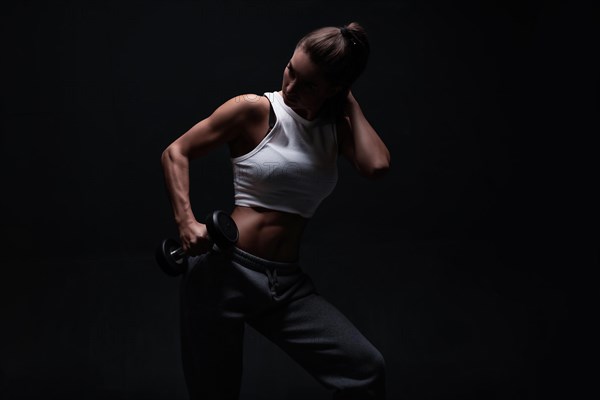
(290, 62)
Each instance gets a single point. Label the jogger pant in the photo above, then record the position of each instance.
(221, 291)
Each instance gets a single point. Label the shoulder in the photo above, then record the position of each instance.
(251, 106)
(238, 114)
(246, 106)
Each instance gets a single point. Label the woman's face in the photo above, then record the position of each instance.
(304, 86)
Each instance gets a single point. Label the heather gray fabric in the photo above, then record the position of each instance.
(221, 291)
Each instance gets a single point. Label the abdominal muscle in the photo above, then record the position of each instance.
(269, 234)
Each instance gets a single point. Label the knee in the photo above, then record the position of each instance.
(375, 383)
(369, 383)
(373, 365)
(378, 365)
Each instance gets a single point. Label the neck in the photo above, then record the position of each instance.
(310, 114)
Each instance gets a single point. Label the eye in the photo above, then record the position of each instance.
(311, 86)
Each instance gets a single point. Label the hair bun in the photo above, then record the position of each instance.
(347, 34)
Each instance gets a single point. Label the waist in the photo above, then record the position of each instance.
(260, 264)
(268, 234)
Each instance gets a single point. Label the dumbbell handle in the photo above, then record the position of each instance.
(220, 229)
(178, 253)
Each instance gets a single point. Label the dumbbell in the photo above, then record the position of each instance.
(222, 234)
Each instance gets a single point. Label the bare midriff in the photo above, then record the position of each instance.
(269, 234)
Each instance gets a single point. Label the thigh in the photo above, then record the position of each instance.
(321, 339)
(212, 346)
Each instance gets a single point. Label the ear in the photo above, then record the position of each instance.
(336, 90)
(343, 90)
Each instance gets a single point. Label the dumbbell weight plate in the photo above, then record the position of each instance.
(170, 258)
(222, 229)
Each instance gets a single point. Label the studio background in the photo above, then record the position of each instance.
(452, 265)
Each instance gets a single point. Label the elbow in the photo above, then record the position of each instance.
(165, 157)
(377, 170)
(168, 155)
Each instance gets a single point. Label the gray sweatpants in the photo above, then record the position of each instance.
(221, 291)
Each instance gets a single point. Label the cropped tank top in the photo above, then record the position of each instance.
(293, 168)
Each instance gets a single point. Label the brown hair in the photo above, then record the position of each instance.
(343, 56)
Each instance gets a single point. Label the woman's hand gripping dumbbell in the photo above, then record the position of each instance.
(222, 234)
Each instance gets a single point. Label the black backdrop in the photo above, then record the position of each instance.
(458, 266)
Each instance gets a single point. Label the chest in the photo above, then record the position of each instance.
(252, 138)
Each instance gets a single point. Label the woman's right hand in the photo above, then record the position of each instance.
(194, 238)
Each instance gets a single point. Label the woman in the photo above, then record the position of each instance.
(284, 147)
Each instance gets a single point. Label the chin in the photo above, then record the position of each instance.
(291, 101)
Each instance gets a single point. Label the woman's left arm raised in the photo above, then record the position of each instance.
(360, 143)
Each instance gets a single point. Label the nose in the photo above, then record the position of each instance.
(292, 88)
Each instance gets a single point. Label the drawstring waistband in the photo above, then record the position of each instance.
(269, 267)
(261, 264)
(273, 282)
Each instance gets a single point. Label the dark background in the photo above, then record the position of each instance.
(462, 266)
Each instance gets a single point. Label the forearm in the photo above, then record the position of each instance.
(369, 149)
(176, 174)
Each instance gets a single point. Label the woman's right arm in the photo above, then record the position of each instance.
(227, 122)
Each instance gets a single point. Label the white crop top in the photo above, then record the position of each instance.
(293, 168)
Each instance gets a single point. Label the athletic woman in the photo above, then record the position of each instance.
(284, 147)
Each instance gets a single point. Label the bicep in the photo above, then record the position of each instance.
(223, 125)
